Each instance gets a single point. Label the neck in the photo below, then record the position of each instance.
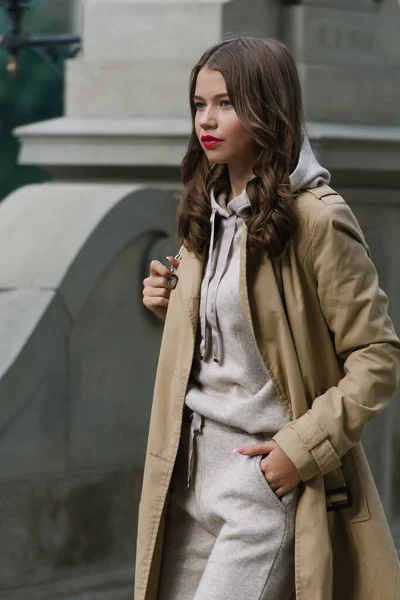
(238, 181)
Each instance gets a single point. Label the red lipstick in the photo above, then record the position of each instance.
(209, 141)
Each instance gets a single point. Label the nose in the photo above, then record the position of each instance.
(208, 120)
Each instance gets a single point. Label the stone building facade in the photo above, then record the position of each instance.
(77, 350)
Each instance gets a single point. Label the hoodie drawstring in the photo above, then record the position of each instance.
(226, 244)
(212, 291)
(207, 277)
(196, 426)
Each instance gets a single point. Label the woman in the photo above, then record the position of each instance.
(277, 349)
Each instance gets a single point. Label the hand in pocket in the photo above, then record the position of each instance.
(278, 469)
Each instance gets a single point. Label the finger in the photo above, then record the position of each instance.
(273, 478)
(264, 465)
(274, 485)
(174, 262)
(157, 292)
(281, 491)
(154, 303)
(157, 269)
(155, 282)
(257, 449)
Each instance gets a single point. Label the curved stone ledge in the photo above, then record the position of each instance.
(77, 362)
(61, 236)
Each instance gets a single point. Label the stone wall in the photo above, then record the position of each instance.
(75, 378)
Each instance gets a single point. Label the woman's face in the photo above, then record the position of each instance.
(218, 128)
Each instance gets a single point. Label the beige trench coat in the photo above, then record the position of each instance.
(320, 322)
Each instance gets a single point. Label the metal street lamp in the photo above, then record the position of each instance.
(48, 46)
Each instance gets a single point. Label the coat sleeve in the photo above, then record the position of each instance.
(355, 309)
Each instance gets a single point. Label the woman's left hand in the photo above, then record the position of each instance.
(277, 467)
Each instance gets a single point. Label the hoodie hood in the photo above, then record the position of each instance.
(307, 174)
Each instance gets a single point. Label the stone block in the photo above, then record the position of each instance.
(360, 156)
(263, 20)
(34, 441)
(32, 383)
(69, 234)
(68, 535)
(350, 5)
(127, 88)
(141, 31)
(147, 148)
(351, 95)
(349, 61)
(46, 226)
(333, 37)
(111, 377)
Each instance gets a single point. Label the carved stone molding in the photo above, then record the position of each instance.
(354, 5)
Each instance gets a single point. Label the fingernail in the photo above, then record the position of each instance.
(240, 450)
(169, 258)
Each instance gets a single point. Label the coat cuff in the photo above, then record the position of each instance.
(308, 447)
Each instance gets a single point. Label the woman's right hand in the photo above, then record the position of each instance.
(155, 290)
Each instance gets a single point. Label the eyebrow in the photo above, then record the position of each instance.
(217, 96)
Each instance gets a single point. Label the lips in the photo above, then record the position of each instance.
(209, 138)
(209, 141)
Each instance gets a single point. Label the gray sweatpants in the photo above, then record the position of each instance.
(228, 536)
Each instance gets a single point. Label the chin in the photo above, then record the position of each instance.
(216, 157)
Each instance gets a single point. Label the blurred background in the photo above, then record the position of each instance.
(90, 148)
(36, 94)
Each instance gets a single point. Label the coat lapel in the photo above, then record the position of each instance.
(261, 297)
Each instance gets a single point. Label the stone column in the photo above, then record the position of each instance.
(349, 60)
(78, 350)
(127, 105)
(137, 57)
(348, 55)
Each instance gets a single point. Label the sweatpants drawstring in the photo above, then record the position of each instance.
(196, 426)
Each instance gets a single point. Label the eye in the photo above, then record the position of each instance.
(226, 103)
(199, 105)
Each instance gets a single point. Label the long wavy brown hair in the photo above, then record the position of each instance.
(264, 88)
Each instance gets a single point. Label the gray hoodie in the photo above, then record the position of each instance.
(229, 382)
